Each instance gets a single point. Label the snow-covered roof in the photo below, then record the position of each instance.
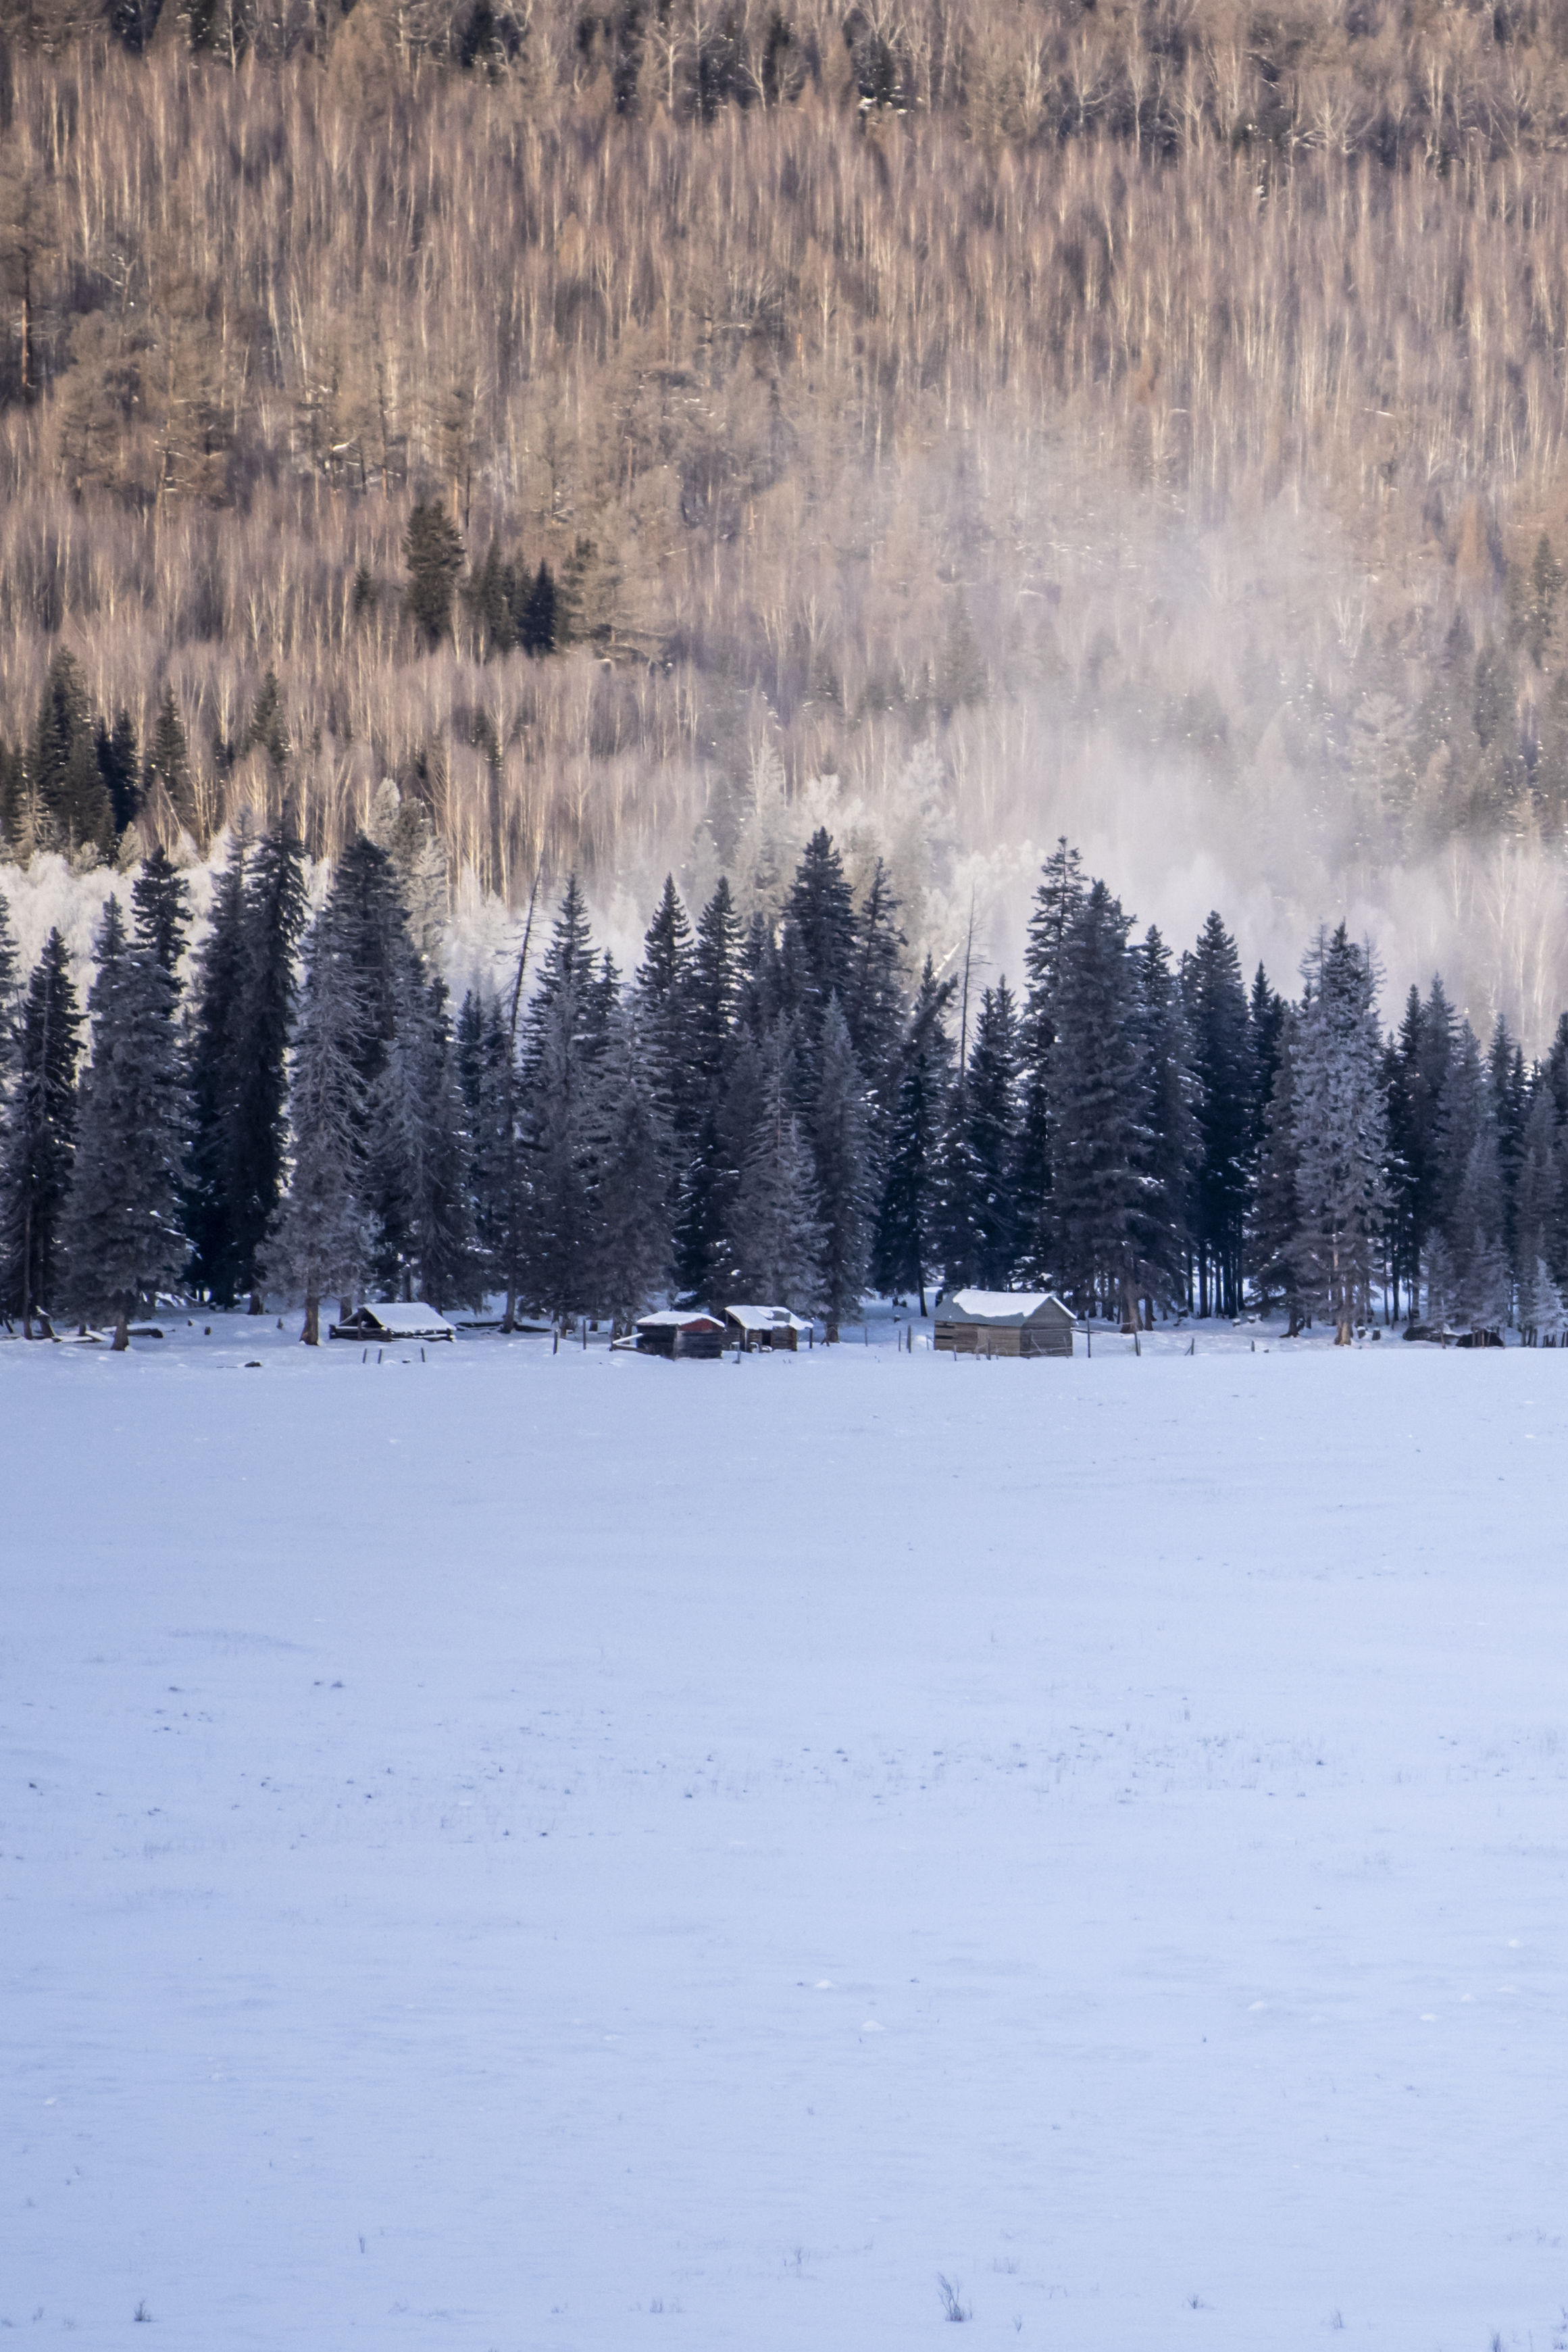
(678, 1318)
(408, 1318)
(767, 1319)
(999, 1307)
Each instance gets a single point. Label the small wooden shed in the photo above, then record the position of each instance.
(1004, 1323)
(765, 1326)
(679, 1331)
(399, 1318)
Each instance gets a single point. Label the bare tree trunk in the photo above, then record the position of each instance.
(121, 1330)
(311, 1336)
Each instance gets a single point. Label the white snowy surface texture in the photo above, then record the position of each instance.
(575, 1851)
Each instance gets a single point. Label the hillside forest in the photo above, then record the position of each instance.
(643, 433)
(764, 1112)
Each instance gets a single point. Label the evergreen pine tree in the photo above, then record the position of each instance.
(10, 1008)
(320, 1242)
(214, 1077)
(433, 551)
(903, 1251)
(69, 806)
(630, 1143)
(539, 618)
(169, 762)
(123, 1236)
(39, 1139)
(120, 768)
(1162, 1225)
(563, 1039)
(160, 901)
(416, 1177)
(1538, 1211)
(875, 1007)
(992, 1113)
(708, 1169)
(1222, 1054)
(1098, 1109)
(663, 990)
(1276, 1213)
(841, 1135)
(1340, 1133)
(274, 911)
(1057, 902)
(775, 1239)
(817, 942)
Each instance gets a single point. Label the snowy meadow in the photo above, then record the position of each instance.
(518, 1849)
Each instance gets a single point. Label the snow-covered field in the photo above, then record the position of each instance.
(522, 1851)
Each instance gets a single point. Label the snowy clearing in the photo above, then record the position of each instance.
(575, 1851)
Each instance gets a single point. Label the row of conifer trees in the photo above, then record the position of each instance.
(766, 1109)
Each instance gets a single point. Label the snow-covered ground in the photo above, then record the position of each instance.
(521, 1849)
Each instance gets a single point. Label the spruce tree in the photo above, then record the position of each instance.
(1057, 902)
(630, 1145)
(1538, 1211)
(874, 1006)
(416, 1178)
(841, 1135)
(123, 1237)
(817, 941)
(214, 1073)
(120, 768)
(905, 1249)
(160, 901)
(563, 1035)
(1276, 1213)
(10, 1008)
(1340, 1133)
(70, 806)
(1097, 1109)
(775, 1238)
(664, 991)
(433, 551)
(320, 1242)
(1221, 1044)
(1162, 1223)
(538, 613)
(169, 762)
(275, 909)
(708, 1168)
(992, 1116)
(40, 1140)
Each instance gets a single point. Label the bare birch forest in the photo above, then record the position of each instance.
(954, 422)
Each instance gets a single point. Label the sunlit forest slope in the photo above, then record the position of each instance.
(960, 422)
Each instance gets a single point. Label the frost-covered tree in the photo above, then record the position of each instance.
(1098, 1109)
(1162, 1222)
(711, 1154)
(1340, 1129)
(776, 1241)
(1537, 1208)
(1276, 1214)
(39, 1139)
(124, 1241)
(417, 1158)
(631, 1150)
(905, 1250)
(320, 1242)
(564, 1038)
(160, 907)
(1057, 901)
(840, 1129)
(1221, 1061)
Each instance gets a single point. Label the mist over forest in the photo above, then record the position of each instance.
(959, 427)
